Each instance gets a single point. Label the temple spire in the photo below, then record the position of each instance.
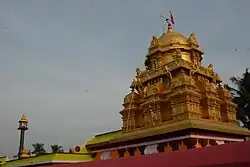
(170, 28)
(170, 22)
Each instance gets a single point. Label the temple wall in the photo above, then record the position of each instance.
(168, 146)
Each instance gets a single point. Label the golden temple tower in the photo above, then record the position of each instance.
(175, 86)
(175, 103)
(175, 92)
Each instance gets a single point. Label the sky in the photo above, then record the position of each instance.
(67, 64)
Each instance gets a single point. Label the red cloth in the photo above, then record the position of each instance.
(172, 17)
(228, 155)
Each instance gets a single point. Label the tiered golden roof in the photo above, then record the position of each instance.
(176, 87)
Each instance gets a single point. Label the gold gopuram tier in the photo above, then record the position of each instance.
(176, 103)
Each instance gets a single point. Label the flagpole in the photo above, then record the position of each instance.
(172, 19)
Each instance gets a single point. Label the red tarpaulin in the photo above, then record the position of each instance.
(228, 155)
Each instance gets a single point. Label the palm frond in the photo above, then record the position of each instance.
(233, 91)
(241, 97)
(235, 81)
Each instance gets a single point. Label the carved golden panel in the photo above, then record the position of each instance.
(168, 58)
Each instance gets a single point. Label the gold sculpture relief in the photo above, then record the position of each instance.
(195, 58)
(154, 42)
(174, 40)
(145, 91)
(192, 71)
(168, 74)
(192, 39)
(138, 72)
(160, 85)
(153, 117)
(177, 54)
(161, 60)
(210, 67)
(211, 87)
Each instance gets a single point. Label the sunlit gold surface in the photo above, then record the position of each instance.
(175, 86)
(24, 118)
(172, 37)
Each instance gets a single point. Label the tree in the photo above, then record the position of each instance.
(56, 148)
(30, 152)
(38, 149)
(241, 97)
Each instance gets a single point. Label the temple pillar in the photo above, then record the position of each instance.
(158, 113)
(231, 111)
(147, 117)
(131, 120)
(214, 108)
(178, 109)
(131, 107)
(213, 101)
(125, 122)
(187, 106)
(193, 105)
(224, 112)
(166, 111)
(139, 119)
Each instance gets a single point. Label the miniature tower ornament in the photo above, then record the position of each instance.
(23, 126)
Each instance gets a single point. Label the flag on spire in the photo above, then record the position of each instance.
(171, 17)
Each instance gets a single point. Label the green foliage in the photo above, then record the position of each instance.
(241, 97)
(56, 148)
(38, 149)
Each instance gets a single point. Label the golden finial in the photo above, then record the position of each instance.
(170, 22)
(170, 28)
(24, 118)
